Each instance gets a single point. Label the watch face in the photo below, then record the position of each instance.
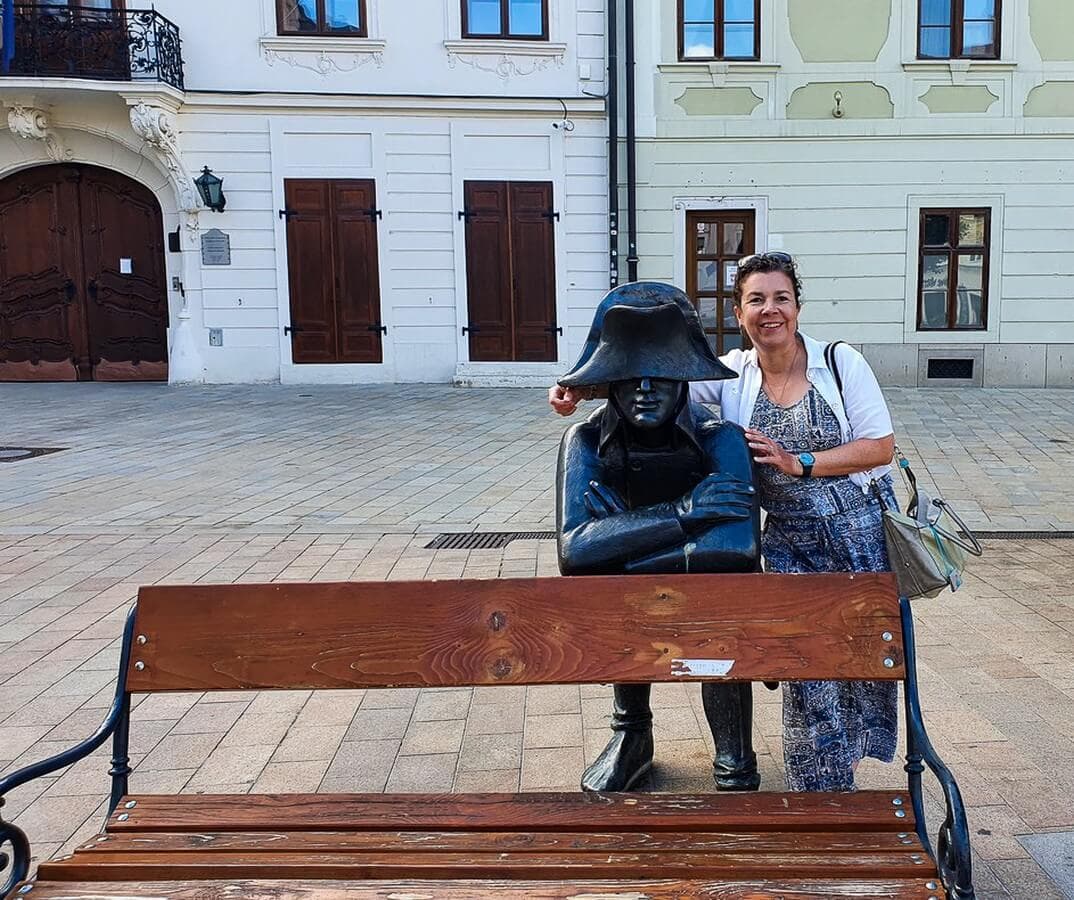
(806, 459)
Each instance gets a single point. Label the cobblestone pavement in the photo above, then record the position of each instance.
(312, 484)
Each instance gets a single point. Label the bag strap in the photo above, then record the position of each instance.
(833, 366)
(919, 509)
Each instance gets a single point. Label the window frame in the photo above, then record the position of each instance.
(322, 32)
(721, 218)
(958, 21)
(953, 252)
(505, 24)
(719, 7)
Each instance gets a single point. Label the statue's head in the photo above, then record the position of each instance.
(648, 403)
(645, 344)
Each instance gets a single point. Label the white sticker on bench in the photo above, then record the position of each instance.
(701, 667)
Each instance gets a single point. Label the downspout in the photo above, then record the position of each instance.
(631, 150)
(613, 143)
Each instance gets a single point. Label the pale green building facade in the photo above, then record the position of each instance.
(929, 201)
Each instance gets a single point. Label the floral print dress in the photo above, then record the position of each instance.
(824, 525)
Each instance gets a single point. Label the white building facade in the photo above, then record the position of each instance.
(413, 192)
(916, 156)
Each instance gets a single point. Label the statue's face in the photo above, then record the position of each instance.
(647, 402)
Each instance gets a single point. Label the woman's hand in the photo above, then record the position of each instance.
(564, 400)
(768, 453)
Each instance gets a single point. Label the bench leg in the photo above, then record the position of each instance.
(729, 710)
(18, 859)
(952, 854)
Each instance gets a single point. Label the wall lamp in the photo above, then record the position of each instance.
(211, 189)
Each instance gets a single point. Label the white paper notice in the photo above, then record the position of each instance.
(126, 266)
(702, 668)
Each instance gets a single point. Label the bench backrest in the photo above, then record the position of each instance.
(651, 628)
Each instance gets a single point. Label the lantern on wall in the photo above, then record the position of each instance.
(211, 189)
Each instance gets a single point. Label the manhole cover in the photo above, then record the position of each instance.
(485, 540)
(16, 454)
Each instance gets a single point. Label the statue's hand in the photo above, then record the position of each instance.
(717, 498)
(602, 501)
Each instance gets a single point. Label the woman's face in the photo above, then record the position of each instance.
(768, 311)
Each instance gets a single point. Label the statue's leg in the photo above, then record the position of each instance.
(629, 754)
(729, 709)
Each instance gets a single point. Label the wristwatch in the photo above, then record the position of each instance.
(807, 460)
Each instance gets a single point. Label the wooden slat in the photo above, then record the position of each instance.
(555, 812)
(517, 631)
(649, 889)
(367, 865)
(203, 842)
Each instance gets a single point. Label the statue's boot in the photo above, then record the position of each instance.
(629, 754)
(729, 710)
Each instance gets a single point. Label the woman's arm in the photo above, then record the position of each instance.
(846, 459)
(565, 400)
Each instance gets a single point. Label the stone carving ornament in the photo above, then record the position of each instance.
(156, 126)
(32, 124)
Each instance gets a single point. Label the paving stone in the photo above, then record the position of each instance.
(378, 724)
(437, 737)
(552, 769)
(208, 718)
(438, 705)
(230, 764)
(360, 766)
(430, 772)
(553, 731)
(181, 751)
(291, 777)
(310, 744)
(485, 752)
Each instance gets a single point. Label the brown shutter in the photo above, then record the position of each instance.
(311, 272)
(358, 282)
(510, 271)
(488, 271)
(333, 273)
(533, 259)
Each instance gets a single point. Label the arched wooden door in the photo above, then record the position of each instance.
(83, 294)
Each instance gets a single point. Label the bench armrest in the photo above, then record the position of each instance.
(953, 857)
(115, 725)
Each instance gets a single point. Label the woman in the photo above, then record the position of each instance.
(824, 479)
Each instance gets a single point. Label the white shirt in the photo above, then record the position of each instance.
(863, 415)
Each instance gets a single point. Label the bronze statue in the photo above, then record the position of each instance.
(653, 483)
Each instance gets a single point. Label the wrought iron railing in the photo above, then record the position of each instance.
(111, 44)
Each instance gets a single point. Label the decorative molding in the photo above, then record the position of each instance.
(155, 125)
(959, 69)
(32, 123)
(506, 59)
(323, 55)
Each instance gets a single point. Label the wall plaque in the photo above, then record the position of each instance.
(215, 248)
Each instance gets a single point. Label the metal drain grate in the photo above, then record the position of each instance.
(1025, 535)
(18, 454)
(486, 540)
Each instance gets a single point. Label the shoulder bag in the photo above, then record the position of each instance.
(927, 545)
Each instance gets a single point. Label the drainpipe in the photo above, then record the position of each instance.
(631, 148)
(613, 142)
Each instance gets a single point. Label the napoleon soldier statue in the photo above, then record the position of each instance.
(653, 483)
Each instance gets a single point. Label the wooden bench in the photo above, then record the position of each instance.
(554, 845)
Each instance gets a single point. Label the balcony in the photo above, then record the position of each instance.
(129, 45)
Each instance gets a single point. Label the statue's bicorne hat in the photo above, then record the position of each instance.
(646, 329)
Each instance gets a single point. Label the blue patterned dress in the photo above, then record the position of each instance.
(824, 525)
